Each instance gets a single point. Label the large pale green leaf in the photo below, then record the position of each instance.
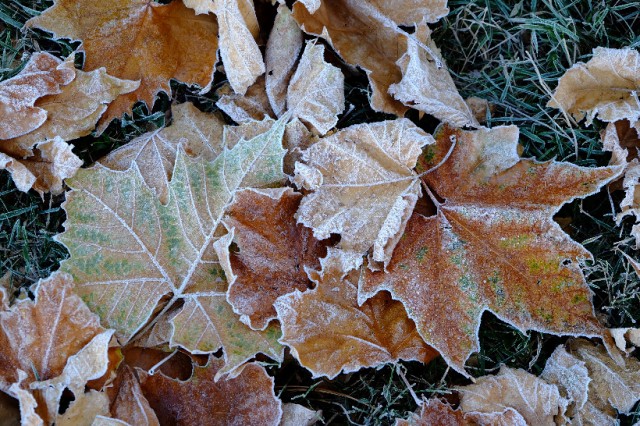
(129, 251)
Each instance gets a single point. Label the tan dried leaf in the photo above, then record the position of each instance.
(365, 186)
(606, 86)
(274, 253)
(153, 43)
(535, 400)
(316, 90)
(155, 152)
(245, 109)
(622, 336)
(44, 170)
(247, 399)
(434, 412)
(84, 410)
(362, 31)
(298, 415)
(43, 75)
(238, 48)
(281, 57)
(75, 110)
(329, 332)
(492, 244)
(427, 86)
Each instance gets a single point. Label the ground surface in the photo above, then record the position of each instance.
(508, 52)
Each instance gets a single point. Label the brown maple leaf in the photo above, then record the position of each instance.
(492, 245)
(329, 332)
(137, 40)
(275, 252)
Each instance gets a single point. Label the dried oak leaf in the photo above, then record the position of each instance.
(364, 184)
(363, 31)
(534, 400)
(247, 399)
(606, 87)
(274, 253)
(43, 75)
(329, 332)
(492, 245)
(129, 250)
(40, 337)
(137, 40)
(427, 86)
(155, 152)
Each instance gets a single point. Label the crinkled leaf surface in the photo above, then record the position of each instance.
(43, 75)
(247, 399)
(137, 40)
(129, 250)
(606, 86)
(155, 152)
(363, 31)
(427, 86)
(49, 163)
(74, 111)
(535, 400)
(434, 412)
(365, 186)
(253, 105)
(281, 57)
(238, 48)
(129, 404)
(316, 90)
(274, 252)
(492, 245)
(328, 332)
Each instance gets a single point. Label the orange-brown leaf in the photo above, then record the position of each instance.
(329, 332)
(434, 412)
(43, 75)
(247, 399)
(137, 40)
(492, 245)
(274, 252)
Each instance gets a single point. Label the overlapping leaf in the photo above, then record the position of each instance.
(247, 399)
(42, 75)
(347, 336)
(492, 245)
(154, 153)
(39, 338)
(362, 31)
(137, 40)
(274, 253)
(364, 183)
(129, 250)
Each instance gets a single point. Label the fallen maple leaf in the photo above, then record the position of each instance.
(366, 33)
(274, 253)
(155, 152)
(129, 250)
(43, 74)
(128, 403)
(347, 336)
(247, 399)
(153, 44)
(364, 185)
(606, 87)
(40, 338)
(492, 245)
